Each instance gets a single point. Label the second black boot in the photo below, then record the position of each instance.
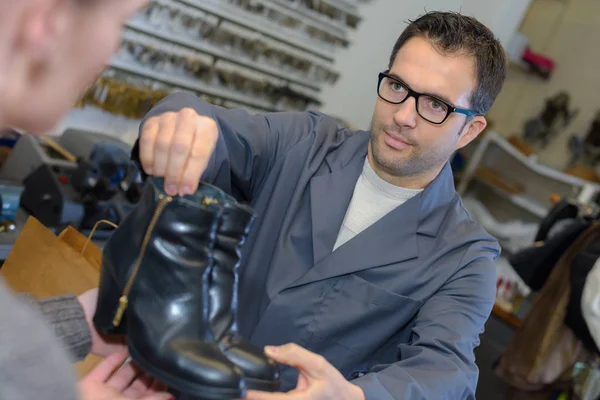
(260, 372)
(154, 287)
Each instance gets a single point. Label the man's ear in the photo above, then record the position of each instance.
(42, 28)
(471, 131)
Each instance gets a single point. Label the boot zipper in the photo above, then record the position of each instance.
(163, 201)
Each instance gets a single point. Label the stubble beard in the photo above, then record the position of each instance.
(410, 162)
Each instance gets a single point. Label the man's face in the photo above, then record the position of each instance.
(76, 41)
(405, 145)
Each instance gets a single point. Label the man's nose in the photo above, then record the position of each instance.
(406, 114)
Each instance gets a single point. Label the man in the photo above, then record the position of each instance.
(362, 254)
(50, 51)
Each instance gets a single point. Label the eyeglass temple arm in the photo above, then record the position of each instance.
(468, 113)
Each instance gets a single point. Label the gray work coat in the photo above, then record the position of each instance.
(399, 308)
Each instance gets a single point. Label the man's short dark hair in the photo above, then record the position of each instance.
(452, 33)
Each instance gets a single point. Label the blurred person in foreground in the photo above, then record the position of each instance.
(50, 52)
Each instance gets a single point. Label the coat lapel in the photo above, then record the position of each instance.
(330, 196)
(392, 239)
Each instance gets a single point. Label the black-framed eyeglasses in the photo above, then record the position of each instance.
(430, 108)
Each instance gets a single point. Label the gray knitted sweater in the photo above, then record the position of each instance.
(38, 343)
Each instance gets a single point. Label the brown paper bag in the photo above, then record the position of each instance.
(44, 265)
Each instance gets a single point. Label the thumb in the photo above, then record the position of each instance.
(107, 367)
(313, 365)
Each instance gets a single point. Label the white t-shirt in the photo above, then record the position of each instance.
(372, 199)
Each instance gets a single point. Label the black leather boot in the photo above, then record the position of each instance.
(260, 372)
(155, 285)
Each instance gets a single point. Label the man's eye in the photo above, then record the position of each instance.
(436, 104)
(396, 87)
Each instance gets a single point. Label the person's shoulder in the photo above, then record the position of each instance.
(465, 232)
(475, 250)
(328, 124)
(326, 129)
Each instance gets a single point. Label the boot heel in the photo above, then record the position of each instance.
(109, 293)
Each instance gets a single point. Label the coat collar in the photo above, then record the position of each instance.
(392, 239)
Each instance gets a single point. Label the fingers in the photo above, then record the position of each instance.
(162, 145)
(115, 375)
(311, 364)
(181, 144)
(124, 377)
(256, 395)
(139, 387)
(157, 387)
(147, 141)
(105, 369)
(201, 150)
(178, 147)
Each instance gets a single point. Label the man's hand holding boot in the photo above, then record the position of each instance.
(178, 147)
(318, 379)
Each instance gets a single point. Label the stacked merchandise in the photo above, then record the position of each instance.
(261, 55)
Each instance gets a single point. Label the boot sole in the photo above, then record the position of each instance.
(262, 385)
(184, 386)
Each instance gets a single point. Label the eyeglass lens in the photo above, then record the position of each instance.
(428, 107)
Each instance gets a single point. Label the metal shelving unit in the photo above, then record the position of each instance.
(523, 201)
(309, 18)
(539, 181)
(219, 53)
(262, 55)
(191, 84)
(228, 12)
(311, 14)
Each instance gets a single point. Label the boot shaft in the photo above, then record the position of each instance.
(154, 288)
(162, 253)
(233, 228)
(177, 230)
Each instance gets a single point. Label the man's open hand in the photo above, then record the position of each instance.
(318, 379)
